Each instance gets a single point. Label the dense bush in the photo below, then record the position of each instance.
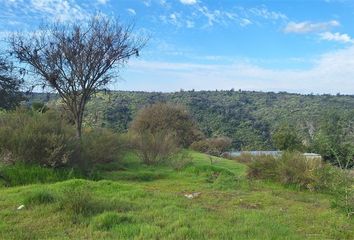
(40, 147)
(171, 119)
(295, 169)
(286, 138)
(44, 138)
(334, 140)
(101, 146)
(263, 167)
(31, 137)
(158, 131)
(154, 148)
(243, 158)
(214, 146)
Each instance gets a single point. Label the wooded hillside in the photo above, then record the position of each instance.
(249, 118)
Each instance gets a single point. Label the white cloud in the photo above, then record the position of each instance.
(337, 37)
(208, 17)
(245, 22)
(188, 2)
(263, 12)
(147, 2)
(308, 27)
(331, 73)
(102, 1)
(176, 19)
(59, 10)
(131, 11)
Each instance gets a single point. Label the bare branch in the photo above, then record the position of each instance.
(78, 59)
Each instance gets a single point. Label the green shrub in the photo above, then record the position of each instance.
(107, 220)
(102, 146)
(45, 140)
(165, 118)
(244, 158)
(32, 137)
(40, 197)
(293, 168)
(39, 107)
(154, 148)
(213, 146)
(159, 130)
(263, 167)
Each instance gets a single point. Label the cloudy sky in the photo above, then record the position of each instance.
(276, 45)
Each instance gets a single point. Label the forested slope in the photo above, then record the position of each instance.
(249, 118)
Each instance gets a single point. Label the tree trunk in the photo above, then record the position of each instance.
(78, 123)
(78, 131)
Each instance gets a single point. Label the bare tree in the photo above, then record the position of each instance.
(77, 59)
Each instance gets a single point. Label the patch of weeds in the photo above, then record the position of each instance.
(212, 177)
(227, 181)
(108, 220)
(120, 205)
(79, 203)
(219, 177)
(200, 169)
(40, 197)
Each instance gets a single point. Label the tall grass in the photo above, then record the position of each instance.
(22, 174)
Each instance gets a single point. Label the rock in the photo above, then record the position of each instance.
(192, 195)
(20, 207)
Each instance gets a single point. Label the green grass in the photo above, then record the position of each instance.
(144, 202)
(21, 174)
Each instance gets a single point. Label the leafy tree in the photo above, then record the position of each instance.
(10, 94)
(77, 59)
(334, 140)
(286, 138)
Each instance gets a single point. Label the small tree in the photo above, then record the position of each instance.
(159, 130)
(77, 59)
(334, 141)
(213, 146)
(172, 119)
(334, 138)
(10, 94)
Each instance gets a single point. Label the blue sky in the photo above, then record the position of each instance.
(281, 45)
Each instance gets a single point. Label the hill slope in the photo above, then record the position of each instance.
(249, 118)
(149, 203)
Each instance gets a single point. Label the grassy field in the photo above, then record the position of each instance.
(140, 202)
